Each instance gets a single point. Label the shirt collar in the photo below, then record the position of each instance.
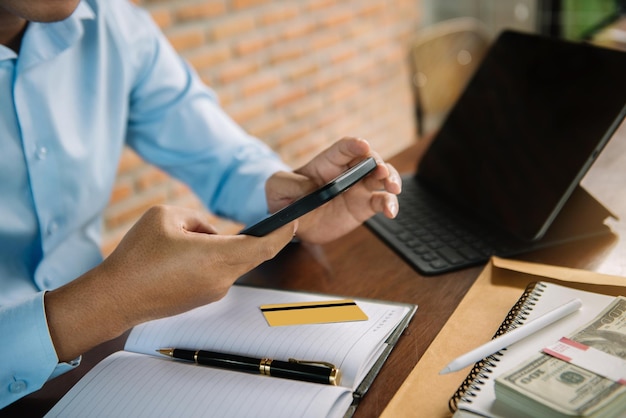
(43, 41)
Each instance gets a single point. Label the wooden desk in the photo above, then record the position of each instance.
(361, 265)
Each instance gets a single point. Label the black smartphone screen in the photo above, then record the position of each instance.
(313, 200)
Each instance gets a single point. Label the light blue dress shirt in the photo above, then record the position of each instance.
(79, 91)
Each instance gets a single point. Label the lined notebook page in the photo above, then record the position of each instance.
(236, 325)
(135, 385)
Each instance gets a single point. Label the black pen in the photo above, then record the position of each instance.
(308, 371)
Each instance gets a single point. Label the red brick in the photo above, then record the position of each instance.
(200, 10)
(244, 4)
(228, 96)
(307, 107)
(323, 40)
(247, 110)
(253, 43)
(209, 56)
(341, 55)
(122, 190)
(151, 177)
(375, 42)
(128, 161)
(278, 14)
(313, 5)
(236, 70)
(289, 52)
(289, 95)
(259, 83)
(324, 120)
(232, 26)
(179, 190)
(131, 211)
(291, 133)
(327, 79)
(338, 17)
(301, 70)
(303, 150)
(372, 9)
(359, 29)
(162, 17)
(187, 38)
(263, 126)
(298, 29)
(111, 241)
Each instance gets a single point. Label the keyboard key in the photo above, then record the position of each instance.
(451, 255)
(469, 253)
(438, 264)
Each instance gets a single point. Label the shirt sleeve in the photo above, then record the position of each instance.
(28, 355)
(176, 123)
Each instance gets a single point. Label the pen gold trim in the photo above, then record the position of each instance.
(335, 374)
(265, 367)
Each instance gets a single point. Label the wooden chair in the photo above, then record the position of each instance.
(443, 57)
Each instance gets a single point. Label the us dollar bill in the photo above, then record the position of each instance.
(607, 332)
(552, 387)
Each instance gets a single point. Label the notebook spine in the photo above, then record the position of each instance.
(482, 370)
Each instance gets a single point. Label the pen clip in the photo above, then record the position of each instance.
(334, 376)
(314, 363)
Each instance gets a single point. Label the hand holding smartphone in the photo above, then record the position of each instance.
(313, 200)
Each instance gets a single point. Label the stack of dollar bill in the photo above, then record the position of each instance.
(544, 386)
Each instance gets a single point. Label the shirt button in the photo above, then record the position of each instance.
(41, 153)
(17, 386)
(47, 283)
(53, 227)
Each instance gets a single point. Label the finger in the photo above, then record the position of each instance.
(283, 188)
(198, 224)
(251, 251)
(385, 177)
(385, 203)
(386, 174)
(338, 157)
(393, 182)
(349, 149)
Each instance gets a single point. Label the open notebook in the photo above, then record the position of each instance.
(138, 382)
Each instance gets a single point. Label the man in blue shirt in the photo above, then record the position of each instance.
(79, 80)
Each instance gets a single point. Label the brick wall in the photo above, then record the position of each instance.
(298, 74)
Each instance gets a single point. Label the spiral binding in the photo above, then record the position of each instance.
(483, 368)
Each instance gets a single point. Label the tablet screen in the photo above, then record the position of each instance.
(526, 129)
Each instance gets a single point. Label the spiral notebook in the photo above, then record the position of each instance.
(476, 395)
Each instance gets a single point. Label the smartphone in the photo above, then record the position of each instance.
(313, 200)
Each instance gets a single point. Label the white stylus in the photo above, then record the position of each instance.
(512, 336)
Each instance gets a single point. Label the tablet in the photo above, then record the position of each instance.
(525, 131)
(313, 200)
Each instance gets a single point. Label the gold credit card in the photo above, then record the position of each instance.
(312, 312)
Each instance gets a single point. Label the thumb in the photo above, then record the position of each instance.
(280, 237)
(284, 188)
(259, 249)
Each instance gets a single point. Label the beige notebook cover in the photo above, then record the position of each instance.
(425, 392)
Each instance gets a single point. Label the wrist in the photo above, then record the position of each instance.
(79, 318)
